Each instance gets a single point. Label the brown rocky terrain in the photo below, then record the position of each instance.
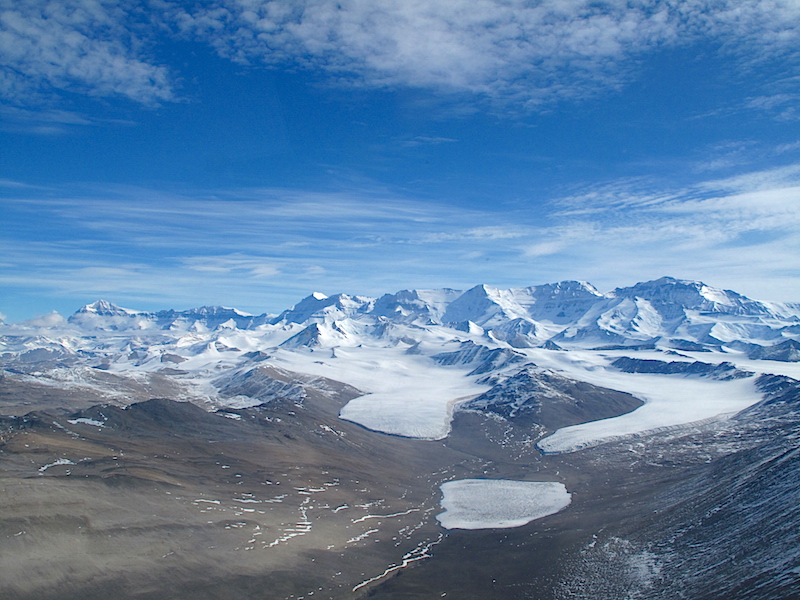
(164, 499)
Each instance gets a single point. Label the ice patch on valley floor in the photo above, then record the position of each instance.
(499, 503)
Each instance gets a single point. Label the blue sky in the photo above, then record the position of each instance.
(165, 154)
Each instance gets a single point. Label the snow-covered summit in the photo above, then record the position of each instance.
(554, 303)
(670, 295)
(318, 307)
(666, 308)
(102, 315)
(104, 308)
(428, 306)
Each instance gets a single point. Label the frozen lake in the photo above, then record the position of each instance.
(499, 503)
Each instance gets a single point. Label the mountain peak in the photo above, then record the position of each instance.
(693, 295)
(320, 306)
(106, 309)
(428, 305)
(578, 285)
(216, 310)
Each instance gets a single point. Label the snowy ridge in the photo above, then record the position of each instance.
(569, 312)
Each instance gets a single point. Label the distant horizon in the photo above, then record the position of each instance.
(249, 153)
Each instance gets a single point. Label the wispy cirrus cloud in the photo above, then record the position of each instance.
(48, 121)
(743, 231)
(258, 249)
(785, 148)
(426, 140)
(254, 267)
(263, 249)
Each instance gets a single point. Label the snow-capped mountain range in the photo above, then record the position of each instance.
(574, 313)
(418, 355)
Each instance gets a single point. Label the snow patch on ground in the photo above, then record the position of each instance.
(85, 421)
(227, 415)
(59, 462)
(499, 503)
(238, 402)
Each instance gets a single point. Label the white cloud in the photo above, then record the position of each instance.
(770, 187)
(501, 49)
(253, 266)
(543, 249)
(489, 47)
(784, 148)
(238, 247)
(52, 319)
(47, 121)
(426, 140)
(742, 233)
(496, 232)
(782, 105)
(511, 52)
(619, 196)
(487, 232)
(78, 45)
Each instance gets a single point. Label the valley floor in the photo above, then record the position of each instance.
(166, 500)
